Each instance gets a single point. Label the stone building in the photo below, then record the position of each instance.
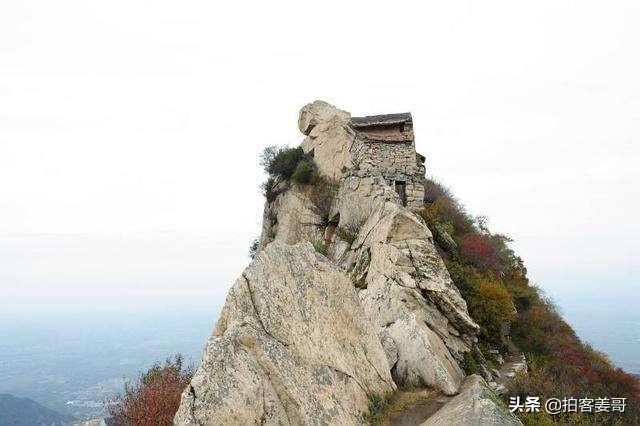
(372, 156)
(384, 145)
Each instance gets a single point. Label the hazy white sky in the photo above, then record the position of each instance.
(129, 132)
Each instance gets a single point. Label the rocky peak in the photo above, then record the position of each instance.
(310, 335)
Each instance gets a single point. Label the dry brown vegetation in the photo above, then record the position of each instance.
(154, 398)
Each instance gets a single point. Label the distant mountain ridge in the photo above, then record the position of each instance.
(15, 411)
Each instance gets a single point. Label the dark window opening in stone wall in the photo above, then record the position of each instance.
(401, 189)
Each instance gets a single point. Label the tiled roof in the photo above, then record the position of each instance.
(380, 120)
(387, 128)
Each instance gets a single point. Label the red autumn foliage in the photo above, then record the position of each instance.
(575, 358)
(566, 366)
(479, 252)
(154, 399)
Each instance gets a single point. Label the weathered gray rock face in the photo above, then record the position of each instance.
(408, 294)
(320, 113)
(292, 217)
(359, 196)
(475, 405)
(443, 238)
(327, 137)
(406, 290)
(292, 346)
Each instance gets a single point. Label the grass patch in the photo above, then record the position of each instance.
(347, 235)
(405, 406)
(377, 405)
(320, 246)
(469, 364)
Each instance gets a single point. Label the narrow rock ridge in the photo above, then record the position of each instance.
(306, 338)
(292, 344)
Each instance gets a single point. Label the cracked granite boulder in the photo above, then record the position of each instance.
(292, 346)
(405, 288)
(407, 292)
(475, 405)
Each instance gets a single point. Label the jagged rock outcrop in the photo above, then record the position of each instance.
(328, 137)
(292, 346)
(408, 294)
(291, 217)
(476, 404)
(309, 339)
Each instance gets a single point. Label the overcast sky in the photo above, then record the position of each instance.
(129, 133)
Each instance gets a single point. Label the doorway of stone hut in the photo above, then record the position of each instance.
(401, 189)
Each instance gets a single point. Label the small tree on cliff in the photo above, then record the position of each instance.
(290, 164)
(155, 397)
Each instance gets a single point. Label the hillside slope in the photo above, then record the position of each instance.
(16, 411)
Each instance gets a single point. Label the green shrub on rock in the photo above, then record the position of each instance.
(281, 161)
(320, 246)
(469, 364)
(377, 405)
(305, 172)
(268, 189)
(284, 164)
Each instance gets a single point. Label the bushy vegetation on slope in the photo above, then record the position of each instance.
(282, 163)
(155, 397)
(292, 165)
(493, 280)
